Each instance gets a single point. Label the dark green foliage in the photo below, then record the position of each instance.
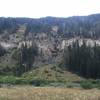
(2, 51)
(13, 80)
(84, 26)
(28, 54)
(87, 85)
(35, 27)
(25, 57)
(8, 24)
(6, 71)
(37, 82)
(83, 60)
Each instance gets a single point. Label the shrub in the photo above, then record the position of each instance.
(46, 71)
(38, 82)
(87, 85)
(69, 86)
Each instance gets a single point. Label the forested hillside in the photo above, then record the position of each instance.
(71, 43)
(83, 60)
(86, 26)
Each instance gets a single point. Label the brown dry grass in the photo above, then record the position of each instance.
(47, 93)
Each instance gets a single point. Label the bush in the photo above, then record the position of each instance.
(69, 86)
(38, 82)
(87, 85)
(13, 80)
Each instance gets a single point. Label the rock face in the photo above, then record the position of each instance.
(50, 46)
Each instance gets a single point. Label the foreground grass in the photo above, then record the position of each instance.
(47, 93)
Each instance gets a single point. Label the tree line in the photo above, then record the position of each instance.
(83, 60)
(83, 26)
(25, 57)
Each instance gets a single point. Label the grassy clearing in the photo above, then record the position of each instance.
(47, 93)
(52, 73)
